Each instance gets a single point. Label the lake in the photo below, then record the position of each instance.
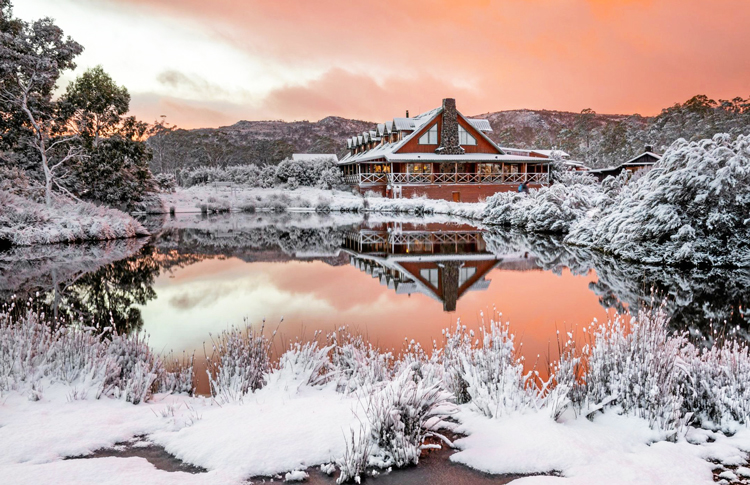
(388, 278)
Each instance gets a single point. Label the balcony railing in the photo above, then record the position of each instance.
(445, 178)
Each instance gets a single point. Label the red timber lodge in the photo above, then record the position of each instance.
(439, 154)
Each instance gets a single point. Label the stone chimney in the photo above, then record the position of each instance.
(649, 148)
(449, 134)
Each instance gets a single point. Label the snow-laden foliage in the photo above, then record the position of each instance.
(357, 363)
(491, 375)
(321, 173)
(692, 208)
(34, 351)
(718, 389)
(638, 367)
(553, 208)
(402, 414)
(24, 222)
(239, 362)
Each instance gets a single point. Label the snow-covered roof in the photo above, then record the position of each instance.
(389, 126)
(403, 123)
(306, 157)
(548, 153)
(574, 163)
(655, 155)
(380, 129)
(388, 151)
(481, 125)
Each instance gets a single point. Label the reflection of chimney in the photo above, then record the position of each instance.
(449, 134)
(407, 113)
(450, 285)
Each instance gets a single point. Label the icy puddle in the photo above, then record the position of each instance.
(434, 467)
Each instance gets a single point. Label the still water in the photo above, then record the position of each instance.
(384, 277)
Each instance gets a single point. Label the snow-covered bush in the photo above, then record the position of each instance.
(239, 362)
(33, 348)
(718, 389)
(402, 414)
(554, 208)
(353, 464)
(24, 222)
(355, 363)
(637, 366)
(305, 364)
(495, 378)
(166, 182)
(691, 208)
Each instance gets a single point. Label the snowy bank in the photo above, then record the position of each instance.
(69, 392)
(210, 199)
(24, 222)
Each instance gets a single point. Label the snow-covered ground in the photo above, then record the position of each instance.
(25, 222)
(625, 425)
(215, 199)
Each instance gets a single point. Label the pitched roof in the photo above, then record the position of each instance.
(480, 125)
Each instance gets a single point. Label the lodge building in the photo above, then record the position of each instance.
(440, 154)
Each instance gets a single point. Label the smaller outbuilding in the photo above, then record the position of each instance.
(644, 161)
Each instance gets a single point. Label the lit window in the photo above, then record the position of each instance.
(430, 137)
(464, 138)
(418, 168)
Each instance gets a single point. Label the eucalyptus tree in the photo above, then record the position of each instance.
(32, 58)
(94, 105)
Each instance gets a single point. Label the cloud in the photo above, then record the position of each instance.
(279, 59)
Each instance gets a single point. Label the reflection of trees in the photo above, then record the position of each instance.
(695, 297)
(109, 295)
(83, 283)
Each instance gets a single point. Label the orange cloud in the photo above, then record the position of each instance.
(378, 59)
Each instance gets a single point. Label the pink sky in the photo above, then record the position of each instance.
(210, 63)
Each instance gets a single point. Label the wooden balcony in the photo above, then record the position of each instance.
(445, 178)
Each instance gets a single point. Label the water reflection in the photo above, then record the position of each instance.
(395, 277)
(442, 261)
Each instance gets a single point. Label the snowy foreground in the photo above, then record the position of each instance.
(648, 408)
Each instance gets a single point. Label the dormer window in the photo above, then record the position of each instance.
(430, 137)
(464, 138)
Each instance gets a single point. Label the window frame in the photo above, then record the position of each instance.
(431, 132)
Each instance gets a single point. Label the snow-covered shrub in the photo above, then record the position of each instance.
(130, 369)
(402, 414)
(178, 374)
(267, 177)
(691, 208)
(353, 464)
(165, 181)
(355, 363)
(32, 348)
(239, 362)
(456, 346)
(306, 363)
(553, 208)
(24, 222)
(635, 365)
(718, 389)
(494, 375)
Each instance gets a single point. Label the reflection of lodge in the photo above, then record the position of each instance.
(443, 264)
